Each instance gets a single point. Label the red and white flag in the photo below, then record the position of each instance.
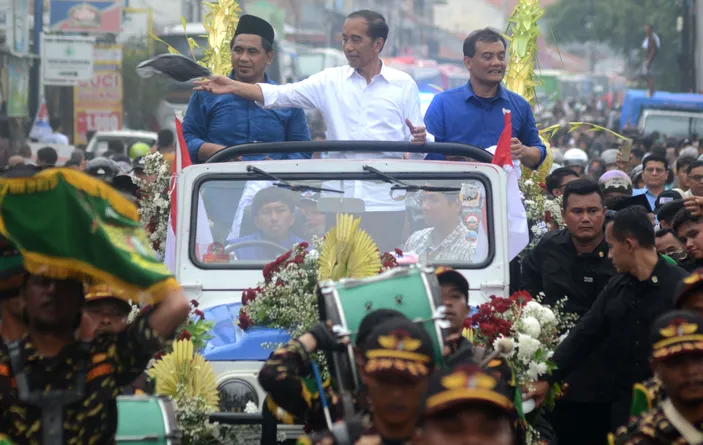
(203, 235)
(518, 231)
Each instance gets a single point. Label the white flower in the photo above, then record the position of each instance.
(251, 408)
(527, 346)
(495, 346)
(530, 326)
(547, 316)
(534, 370)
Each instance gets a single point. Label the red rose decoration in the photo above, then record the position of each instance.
(244, 320)
(521, 297)
(184, 335)
(304, 245)
(194, 303)
(158, 355)
(199, 314)
(398, 252)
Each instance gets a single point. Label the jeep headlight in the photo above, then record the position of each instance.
(235, 394)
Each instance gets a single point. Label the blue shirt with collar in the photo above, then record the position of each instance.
(458, 115)
(261, 252)
(649, 195)
(232, 120)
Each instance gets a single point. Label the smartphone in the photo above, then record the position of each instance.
(626, 150)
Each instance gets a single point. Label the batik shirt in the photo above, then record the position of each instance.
(455, 247)
(112, 362)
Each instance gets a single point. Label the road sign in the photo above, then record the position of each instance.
(66, 60)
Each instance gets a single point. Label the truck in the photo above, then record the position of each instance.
(672, 114)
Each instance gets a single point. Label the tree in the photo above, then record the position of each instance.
(620, 24)
(140, 96)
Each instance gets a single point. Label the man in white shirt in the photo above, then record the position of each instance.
(56, 137)
(362, 101)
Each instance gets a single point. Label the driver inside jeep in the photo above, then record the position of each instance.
(273, 213)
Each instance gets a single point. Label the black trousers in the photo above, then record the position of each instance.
(581, 423)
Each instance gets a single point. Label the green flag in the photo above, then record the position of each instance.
(69, 225)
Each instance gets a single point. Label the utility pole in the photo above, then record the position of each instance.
(35, 90)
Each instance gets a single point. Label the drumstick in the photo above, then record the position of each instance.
(503, 347)
(323, 398)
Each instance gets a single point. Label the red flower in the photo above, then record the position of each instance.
(521, 297)
(244, 321)
(398, 252)
(199, 314)
(280, 282)
(304, 245)
(158, 355)
(250, 295)
(194, 303)
(547, 216)
(543, 186)
(184, 335)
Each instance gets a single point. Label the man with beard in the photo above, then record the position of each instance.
(473, 114)
(677, 360)
(82, 378)
(572, 262)
(396, 363)
(613, 333)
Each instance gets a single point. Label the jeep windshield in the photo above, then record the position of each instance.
(245, 220)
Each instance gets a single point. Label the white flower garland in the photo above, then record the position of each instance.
(155, 205)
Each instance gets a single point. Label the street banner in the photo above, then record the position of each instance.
(97, 104)
(92, 17)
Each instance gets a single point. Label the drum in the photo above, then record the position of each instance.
(414, 291)
(146, 419)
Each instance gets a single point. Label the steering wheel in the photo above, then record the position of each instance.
(255, 242)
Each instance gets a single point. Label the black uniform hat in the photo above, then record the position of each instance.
(139, 164)
(399, 346)
(668, 210)
(665, 197)
(447, 275)
(687, 287)
(676, 332)
(467, 383)
(250, 24)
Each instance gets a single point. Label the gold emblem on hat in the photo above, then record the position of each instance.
(400, 341)
(693, 278)
(461, 379)
(655, 280)
(601, 254)
(678, 328)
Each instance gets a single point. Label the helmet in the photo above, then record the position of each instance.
(609, 157)
(138, 149)
(635, 174)
(575, 156)
(557, 156)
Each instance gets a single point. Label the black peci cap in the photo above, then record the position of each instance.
(250, 24)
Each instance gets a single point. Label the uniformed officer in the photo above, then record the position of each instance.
(677, 360)
(398, 358)
(465, 404)
(615, 331)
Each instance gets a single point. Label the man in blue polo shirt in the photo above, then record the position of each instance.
(473, 114)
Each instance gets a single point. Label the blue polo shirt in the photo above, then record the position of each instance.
(458, 115)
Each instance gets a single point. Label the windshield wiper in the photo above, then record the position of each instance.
(287, 185)
(400, 185)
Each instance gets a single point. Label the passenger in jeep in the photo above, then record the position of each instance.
(273, 212)
(448, 238)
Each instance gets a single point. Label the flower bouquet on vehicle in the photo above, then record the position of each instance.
(534, 330)
(287, 298)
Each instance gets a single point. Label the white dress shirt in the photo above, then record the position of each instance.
(354, 110)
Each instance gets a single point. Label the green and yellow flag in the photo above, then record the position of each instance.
(69, 225)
